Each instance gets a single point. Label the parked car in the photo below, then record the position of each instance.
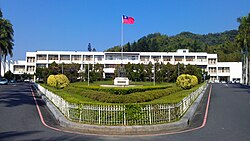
(12, 81)
(26, 80)
(3, 81)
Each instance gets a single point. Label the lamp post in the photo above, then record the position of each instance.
(62, 67)
(154, 73)
(88, 74)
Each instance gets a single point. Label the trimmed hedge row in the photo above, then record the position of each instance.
(137, 97)
(123, 91)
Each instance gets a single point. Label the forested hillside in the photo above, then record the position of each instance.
(222, 44)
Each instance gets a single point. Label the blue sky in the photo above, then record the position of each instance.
(72, 24)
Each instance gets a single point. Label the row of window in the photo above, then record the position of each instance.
(115, 57)
(22, 68)
(66, 57)
(220, 70)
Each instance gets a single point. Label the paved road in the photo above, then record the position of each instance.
(228, 118)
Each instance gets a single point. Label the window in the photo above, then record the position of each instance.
(167, 58)
(224, 70)
(89, 58)
(179, 58)
(99, 57)
(212, 61)
(156, 58)
(110, 57)
(190, 58)
(76, 57)
(144, 58)
(30, 59)
(212, 69)
(30, 68)
(42, 57)
(20, 68)
(41, 65)
(64, 57)
(201, 58)
(53, 57)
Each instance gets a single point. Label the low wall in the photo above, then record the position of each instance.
(114, 117)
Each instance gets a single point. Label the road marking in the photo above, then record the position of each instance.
(167, 133)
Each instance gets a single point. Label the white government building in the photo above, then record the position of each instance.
(218, 71)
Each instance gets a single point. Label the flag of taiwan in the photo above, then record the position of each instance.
(127, 20)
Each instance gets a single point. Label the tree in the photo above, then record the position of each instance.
(6, 39)
(89, 47)
(148, 72)
(9, 75)
(243, 40)
(94, 50)
(71, 71)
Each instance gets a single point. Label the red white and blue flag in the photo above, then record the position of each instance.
(127, 20)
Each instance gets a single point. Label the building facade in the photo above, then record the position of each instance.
(218, 71)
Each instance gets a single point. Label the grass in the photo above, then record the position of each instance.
(73, 94)
(98, 83)
(175, 97)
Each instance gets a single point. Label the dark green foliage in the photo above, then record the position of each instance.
(133, 112)
(9, 75)
(222, 44)
(95, 72)
(6, 39)
(89, 47)
(137, 97)
(123, 91)
(163, 73)
(70, 70)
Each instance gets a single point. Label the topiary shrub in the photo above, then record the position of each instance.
(51, 81)
(186, 81)
(58, 81)
(194, 80)
(62, 81)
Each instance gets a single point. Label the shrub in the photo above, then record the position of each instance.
(51, 81)
(194, 80)
(186, 81)
(58, 81)
(62, 81)
(123, 91)
(137, 97)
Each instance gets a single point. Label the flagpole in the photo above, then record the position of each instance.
(122, 39)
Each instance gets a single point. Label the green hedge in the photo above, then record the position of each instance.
(123, 91)
(137, 97)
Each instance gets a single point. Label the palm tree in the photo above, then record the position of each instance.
(6, 39)
(243, 40)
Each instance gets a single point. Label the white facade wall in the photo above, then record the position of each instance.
(7, 66)
(235, 71)
(206, 61)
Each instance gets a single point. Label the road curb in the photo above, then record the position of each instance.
(123, 130)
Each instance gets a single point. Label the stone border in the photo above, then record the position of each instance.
(123, 130)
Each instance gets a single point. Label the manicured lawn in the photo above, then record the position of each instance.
(98, 83)
(78, 95)
(175, 97)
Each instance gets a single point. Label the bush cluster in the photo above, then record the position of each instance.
(186, 81)
(123, 91)
(58, 81)
(137, 97)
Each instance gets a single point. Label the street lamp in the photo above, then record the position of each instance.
(88, 74)
(154, 73)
